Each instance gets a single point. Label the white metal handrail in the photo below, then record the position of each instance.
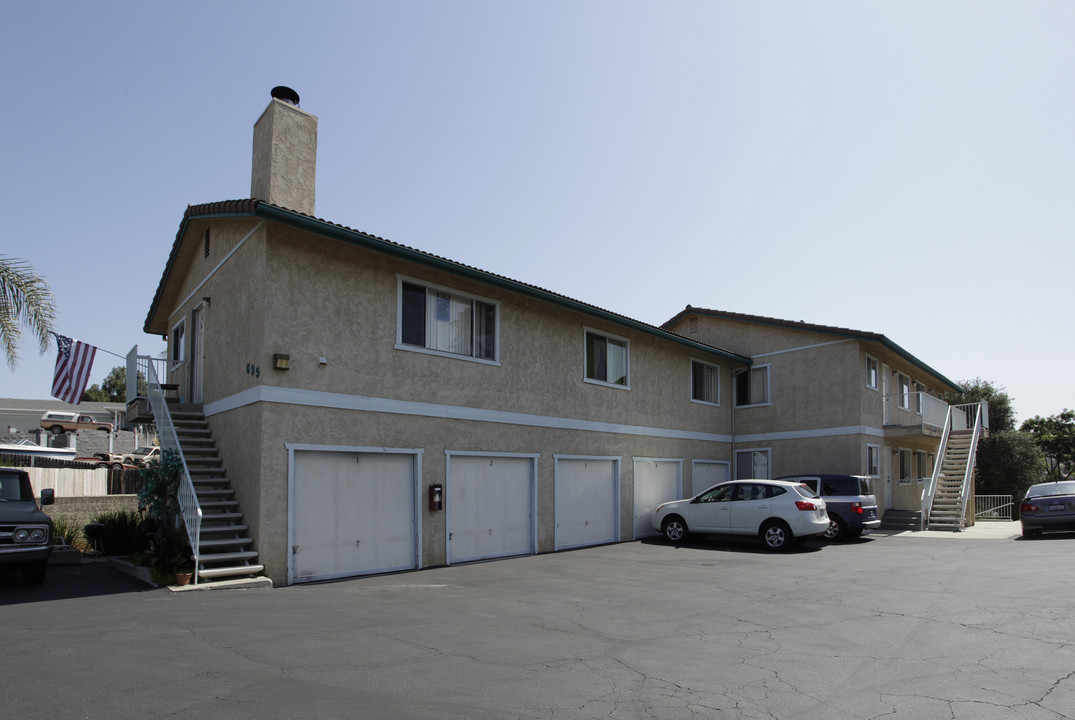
(993, 507)
(972, 455)
(169, 440)
(930, 491)
(138, 370)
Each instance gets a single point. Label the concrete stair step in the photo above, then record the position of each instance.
(228, 557)
(228, 572)
(225, 543)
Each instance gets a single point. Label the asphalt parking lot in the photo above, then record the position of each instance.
(909, 626)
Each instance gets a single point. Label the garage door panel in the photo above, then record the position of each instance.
(353, 515)
(587, 506)
(656, 482)
(489, 506)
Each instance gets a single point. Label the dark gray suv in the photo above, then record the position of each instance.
(25, 531)
(850, 501)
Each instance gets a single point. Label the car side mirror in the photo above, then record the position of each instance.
(48, 496)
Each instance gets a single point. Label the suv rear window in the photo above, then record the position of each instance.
(806, 491)
(847, 486)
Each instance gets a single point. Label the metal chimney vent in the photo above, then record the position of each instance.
(285, 94)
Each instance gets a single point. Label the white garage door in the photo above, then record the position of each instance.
(353, 514)
(489, 507)
(707, 474)
(587, 502)
(656, 482)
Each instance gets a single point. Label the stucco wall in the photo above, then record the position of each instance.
(296, 424)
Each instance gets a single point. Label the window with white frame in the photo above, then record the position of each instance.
(873, 460)
(919, 390)
(903, 387)
(923, 469)
(705, 382)
(905, 465)
(871, 372)
(179, 342)
(751, 464)
(607, 359)
(752, 386)
(444, 321)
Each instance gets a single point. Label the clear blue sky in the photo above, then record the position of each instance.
(899, 167)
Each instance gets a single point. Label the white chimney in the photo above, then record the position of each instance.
(285, 153)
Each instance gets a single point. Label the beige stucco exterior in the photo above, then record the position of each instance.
(270, 289)
(822, 414)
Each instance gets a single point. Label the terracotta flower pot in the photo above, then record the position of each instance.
(183, 578)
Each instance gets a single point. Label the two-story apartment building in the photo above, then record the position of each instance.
(816, 396)
(373, 407)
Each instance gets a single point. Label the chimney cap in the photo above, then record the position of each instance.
(285, 94)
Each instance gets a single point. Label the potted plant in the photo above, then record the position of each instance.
(169, 552)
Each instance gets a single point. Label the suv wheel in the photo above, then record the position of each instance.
(776, 535)
(674, 529)
(836, 530)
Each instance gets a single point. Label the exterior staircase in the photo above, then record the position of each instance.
(225, 548)
(900, 520)
(948, 511)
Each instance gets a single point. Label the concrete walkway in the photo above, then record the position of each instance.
(985, 529)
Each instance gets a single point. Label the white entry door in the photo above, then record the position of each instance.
(587, 501)
(489, 507)
(656, 482)
(353, 514)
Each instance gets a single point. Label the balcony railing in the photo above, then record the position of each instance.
(916, 409)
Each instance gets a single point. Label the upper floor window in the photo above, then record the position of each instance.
(752, 386)
(179, 342)
(607, 359)
(903, 387)
(871, 372)
(705, 382)
(444, 321)
(919, 391)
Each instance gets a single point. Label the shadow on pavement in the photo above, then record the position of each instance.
(68, 581)
(727, 543)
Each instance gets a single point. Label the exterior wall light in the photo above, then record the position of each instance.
(281, 362)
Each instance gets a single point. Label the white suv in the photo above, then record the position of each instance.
(777, 511)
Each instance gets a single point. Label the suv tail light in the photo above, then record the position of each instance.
(805, 505)
(856, 508)
(1028, 507)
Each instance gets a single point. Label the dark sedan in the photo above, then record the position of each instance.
(1048, 507)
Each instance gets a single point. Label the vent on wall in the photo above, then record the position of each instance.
(693, 323)
(207, 242)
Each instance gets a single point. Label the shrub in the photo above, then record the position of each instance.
(66, 530)
(123, 532)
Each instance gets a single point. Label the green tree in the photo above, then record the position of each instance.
(113, 389)
(1008, 463)
(1055, 435)
(25, 301)
(1001, 415)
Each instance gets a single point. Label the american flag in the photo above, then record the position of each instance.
(73, 365)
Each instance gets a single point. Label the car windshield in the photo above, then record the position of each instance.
(13, 489)
(143, 451)
(1054, 488)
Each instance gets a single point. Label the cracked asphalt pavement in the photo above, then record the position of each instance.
(885, 627)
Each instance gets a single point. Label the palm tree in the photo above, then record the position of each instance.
(25, 301)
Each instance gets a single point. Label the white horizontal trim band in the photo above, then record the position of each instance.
(339, 401)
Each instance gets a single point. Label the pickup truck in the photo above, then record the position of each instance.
(25, 531)
(60, 422)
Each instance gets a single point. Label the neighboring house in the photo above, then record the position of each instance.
(373, 407)
(23, 418)
(819, 398)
